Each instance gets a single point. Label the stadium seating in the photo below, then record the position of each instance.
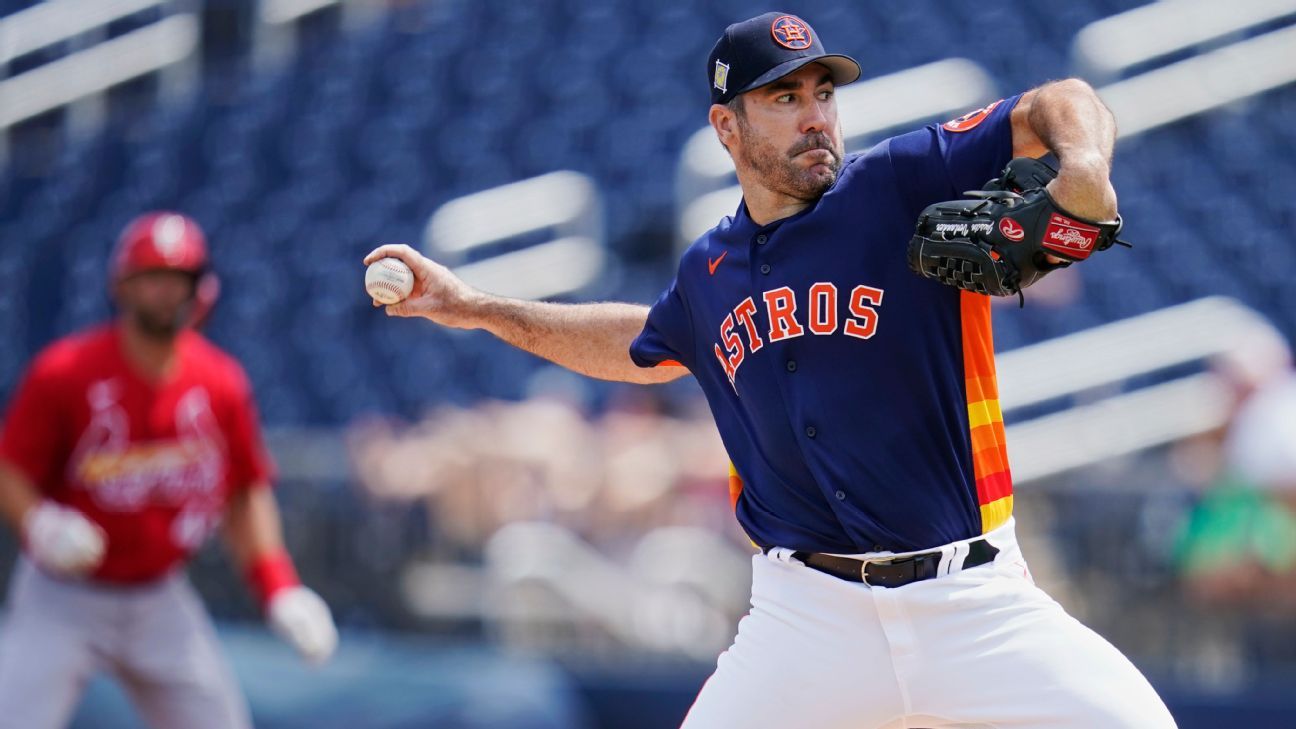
(296, 171)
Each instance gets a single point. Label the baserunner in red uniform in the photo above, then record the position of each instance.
(123, 449)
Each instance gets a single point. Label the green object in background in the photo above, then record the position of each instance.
(1236, 522)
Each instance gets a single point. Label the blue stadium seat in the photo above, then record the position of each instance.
(355, 141)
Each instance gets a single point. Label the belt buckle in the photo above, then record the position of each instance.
(864, 563)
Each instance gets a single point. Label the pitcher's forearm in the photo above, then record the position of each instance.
(1073, 122)
(1068, 119)
(591, 339)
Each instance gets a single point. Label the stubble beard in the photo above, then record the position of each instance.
(158, 325)
(779, 170)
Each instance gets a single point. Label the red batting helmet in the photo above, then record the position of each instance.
(160, 240)
(166, 240)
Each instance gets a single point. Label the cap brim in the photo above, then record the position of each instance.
(844, 70)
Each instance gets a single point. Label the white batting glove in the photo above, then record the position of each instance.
(62, 540)
(300, 617)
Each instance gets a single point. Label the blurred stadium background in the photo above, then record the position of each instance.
(507, 545)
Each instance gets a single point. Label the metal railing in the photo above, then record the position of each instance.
(1105, 48)
(1203, 82)
(277, 20)
(78, 80)
(565, 204)
(1223, 67)
(98, 68)
(1094, 366)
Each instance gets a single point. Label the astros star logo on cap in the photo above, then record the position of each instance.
(791, 32)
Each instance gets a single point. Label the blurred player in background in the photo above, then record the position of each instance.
(124, 448)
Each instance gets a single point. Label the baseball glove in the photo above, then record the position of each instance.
(998, 242)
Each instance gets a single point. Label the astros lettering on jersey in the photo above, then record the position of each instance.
(857, 401)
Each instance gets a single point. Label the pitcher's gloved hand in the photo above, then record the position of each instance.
(1007, 236)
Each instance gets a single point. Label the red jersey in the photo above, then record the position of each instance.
(152, 463)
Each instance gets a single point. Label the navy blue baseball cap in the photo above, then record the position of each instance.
(766, 48)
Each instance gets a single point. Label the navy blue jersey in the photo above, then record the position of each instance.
(856, 399)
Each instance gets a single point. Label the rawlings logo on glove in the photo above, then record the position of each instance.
(1069, 237)
(1011, 230)
(999, 242)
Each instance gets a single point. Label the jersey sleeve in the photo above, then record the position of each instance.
(940, 162)
(250, 462)
(667, 336)
(35, 435)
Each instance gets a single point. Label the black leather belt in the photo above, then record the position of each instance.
(893, 572)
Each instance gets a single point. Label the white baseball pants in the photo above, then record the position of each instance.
(156, 640)
(979, 648)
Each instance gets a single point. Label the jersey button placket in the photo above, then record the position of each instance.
(762, 239)
(765, 268)
(810, 431)
(791, 365)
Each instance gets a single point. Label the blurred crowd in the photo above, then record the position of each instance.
(608, 477)
(614, 524)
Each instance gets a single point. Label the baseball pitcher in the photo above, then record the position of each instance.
(839, 325)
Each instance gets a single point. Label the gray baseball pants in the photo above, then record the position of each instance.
(155, 639)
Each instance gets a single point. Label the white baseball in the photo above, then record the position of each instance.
(389, 280)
